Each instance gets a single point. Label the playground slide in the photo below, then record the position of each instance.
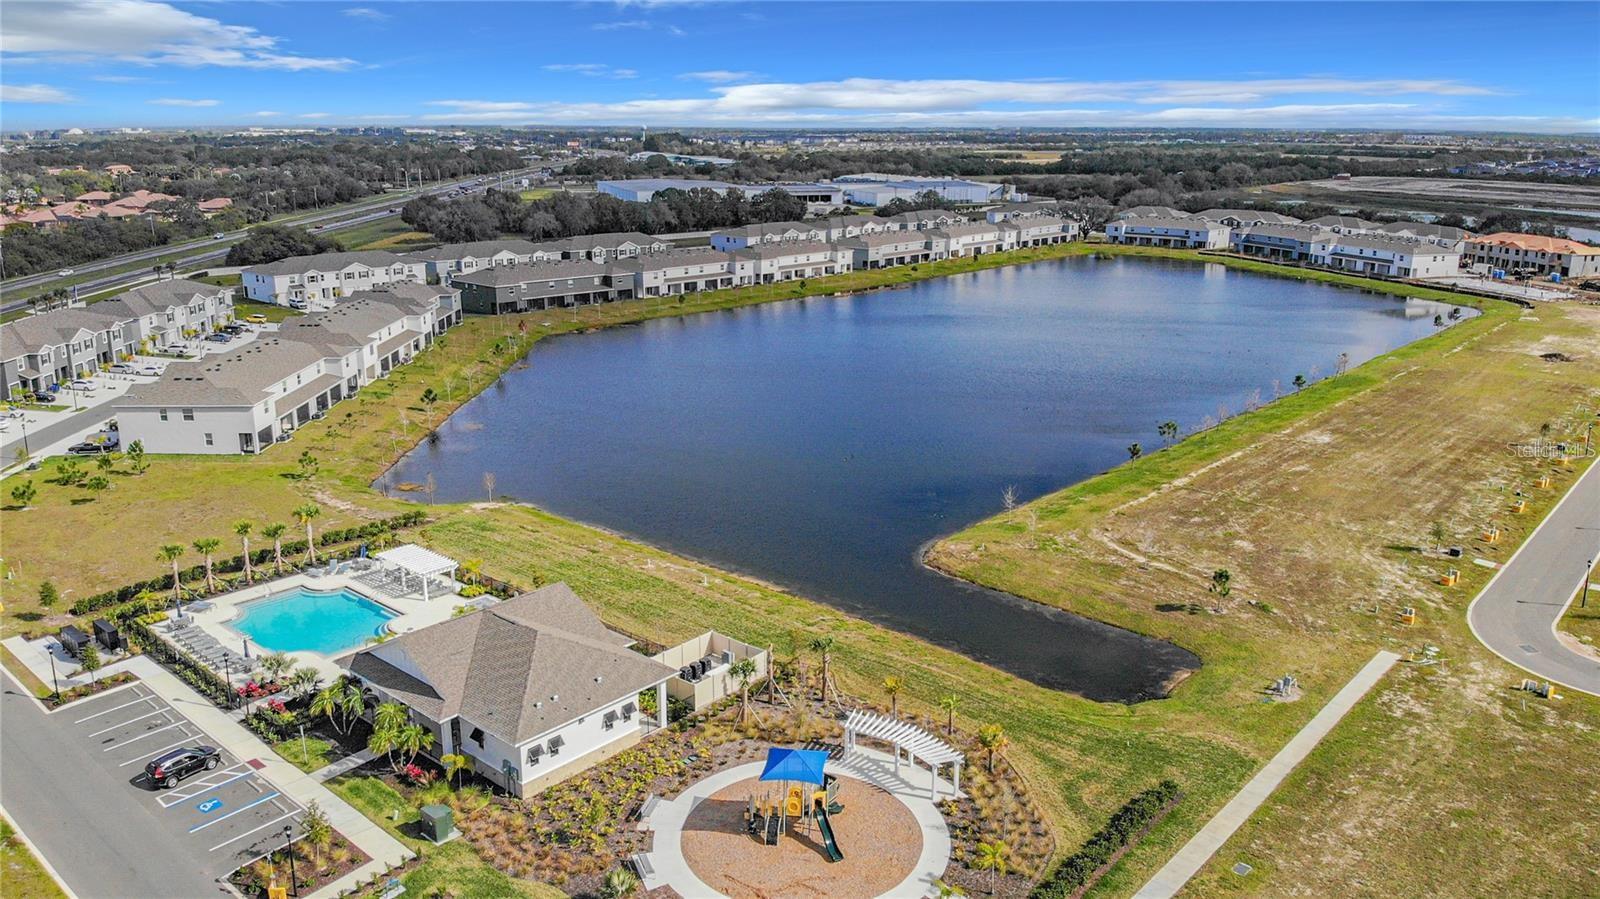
(772, 829)
(829, 844)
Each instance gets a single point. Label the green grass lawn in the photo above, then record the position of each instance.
(274, 313)
(21, 875)
(310, 754)
(536, 193)
(385, 233)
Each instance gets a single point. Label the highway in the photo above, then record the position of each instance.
(1516, 614)
(207, 249)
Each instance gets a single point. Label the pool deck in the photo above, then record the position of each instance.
(214, 615)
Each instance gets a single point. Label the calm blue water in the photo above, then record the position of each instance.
(328, 622)
(820, 443)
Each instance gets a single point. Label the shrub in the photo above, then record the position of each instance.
(1074, 872)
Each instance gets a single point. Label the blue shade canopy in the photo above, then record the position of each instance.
(802, 765)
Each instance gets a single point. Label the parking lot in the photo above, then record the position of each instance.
(222, 818)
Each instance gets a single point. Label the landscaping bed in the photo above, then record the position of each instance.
(315, 866)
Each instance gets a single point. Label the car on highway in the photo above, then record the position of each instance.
(167, 769)
(64, 272)
(219, 236)
(256, 318)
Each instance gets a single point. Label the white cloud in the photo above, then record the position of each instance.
(120, 79)
(267, 114)
(182, 101)
(622, 25)
(675, 31)
(33, 93)
(718, 76)
(315, 115)
(144, 32)
(367, 13)
(591, 69)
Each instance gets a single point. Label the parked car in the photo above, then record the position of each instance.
(297, 304)
(220, 337)
(121, 368)
(39, 396)
(256, 318)
(150, 369)
(235, 330)
(166, 769)
(81, 385)
(91, 448)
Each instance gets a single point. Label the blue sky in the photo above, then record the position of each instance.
(95, 63)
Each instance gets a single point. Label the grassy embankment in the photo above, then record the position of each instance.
(21, 875)
(1083, 758)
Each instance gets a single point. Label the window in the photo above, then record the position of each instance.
(188, 415)
(555, 745)
(476, 736)
(208, 439)
(628, 709)
(609, 722)
(163, 415)
(535, 753)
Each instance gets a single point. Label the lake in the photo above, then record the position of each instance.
(820, 444)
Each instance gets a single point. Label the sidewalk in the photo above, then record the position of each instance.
(384, 850)
(1194, 854)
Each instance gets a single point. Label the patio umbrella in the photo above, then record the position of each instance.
(799, 765)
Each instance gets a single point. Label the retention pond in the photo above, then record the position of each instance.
(820, 444)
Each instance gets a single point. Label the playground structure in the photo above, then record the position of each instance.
(1450, 577)
(1491, 534)
(797, 805)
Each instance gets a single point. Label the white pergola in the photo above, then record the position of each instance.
(915, 742)
(420, 561)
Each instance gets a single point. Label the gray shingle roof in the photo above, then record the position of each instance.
(517, 669)
(161, 295)
(787, 248)
(477, 249)
(239, 378)
(1347, 222)
(326, 262)
(505, 275)
(31, 332)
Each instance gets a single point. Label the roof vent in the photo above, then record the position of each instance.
(598, 678)
(555, 697)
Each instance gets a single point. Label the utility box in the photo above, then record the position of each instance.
(438, 823)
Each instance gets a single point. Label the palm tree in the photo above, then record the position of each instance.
(995, 858)
(206, 546)
(454, 764)
(992, 737)
(384, 741)
(273, 665)
(1168, 431)
(743, 671)
(412, 740)
(390, 716)
(823, 646)
(619, 883)
(1135, 451)
(1299, 383)
(352, 704)
(274, 532)
(242, 529)
(304, 514)
(304, 681)
(170, 552)
(892, 685)
(948, 703)
(328, 703)
(471, 570)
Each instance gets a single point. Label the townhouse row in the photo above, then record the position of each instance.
(39, 352)
(249, 399)
(1397, 249)
(761, 254)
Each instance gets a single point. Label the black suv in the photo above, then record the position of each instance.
(170, 767)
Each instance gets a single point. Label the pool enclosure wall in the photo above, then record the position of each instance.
(721, 652)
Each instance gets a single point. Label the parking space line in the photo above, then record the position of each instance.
(176, 798)
(130, 721)
(139, 758)
(253, 830)
(114, 708)
(142, 736)
(243, 808)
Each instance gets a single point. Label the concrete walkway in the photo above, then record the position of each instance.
(1194, 854)
(870, 765)
(343, 766)
(384, 850)
(1517, 613)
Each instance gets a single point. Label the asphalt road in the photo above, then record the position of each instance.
(207, 249)
(79, 423)
(104, 837)
(1516, 614)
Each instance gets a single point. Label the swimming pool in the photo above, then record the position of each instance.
(325, 621)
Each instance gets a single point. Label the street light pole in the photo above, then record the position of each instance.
(1588, 572)
(53, 679)
(288, 846)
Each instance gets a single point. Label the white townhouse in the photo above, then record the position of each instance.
(1041, 230)
(1011, 212)
(441, 262)
(676, 272)
(1446, 236)
(974, 239)
(1288, 243)
(1385, 254)
(887, 249)
(541, 285)
(532, 690)
(1243, 218)
(615, 245)
(1187, 232)
(319, 281)
(167, 312)
(768, 232)
(838, 227)
(390, 328)
(924, 219)
(1344, 224)
(789, 261)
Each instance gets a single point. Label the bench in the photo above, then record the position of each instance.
(641, 864)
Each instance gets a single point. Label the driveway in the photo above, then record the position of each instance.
(74, 782)
(1516, 614)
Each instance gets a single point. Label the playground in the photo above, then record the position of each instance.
(804, 823)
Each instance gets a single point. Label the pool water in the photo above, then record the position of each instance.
(325, 621)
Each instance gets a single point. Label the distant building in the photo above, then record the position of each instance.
(1536, 253)
(1188, 232)
(505, 289)
(1283, 243)
(1386, 254)
(1239, 218)
(683, 159)
(442, 262)
(319, 281)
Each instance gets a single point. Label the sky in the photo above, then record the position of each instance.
(685, 63)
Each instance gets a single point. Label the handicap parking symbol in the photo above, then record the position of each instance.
(209, 805)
